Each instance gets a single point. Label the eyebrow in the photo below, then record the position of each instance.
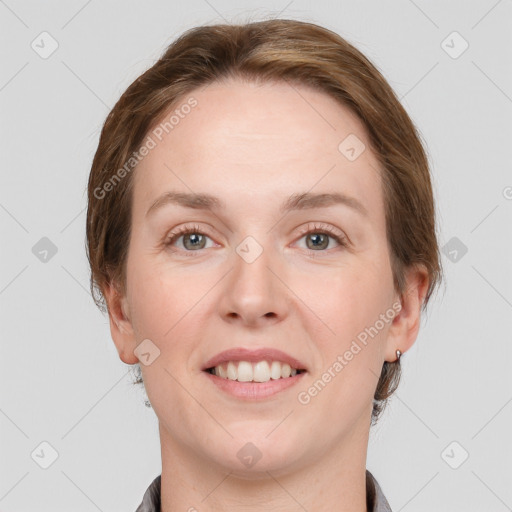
(298, 201)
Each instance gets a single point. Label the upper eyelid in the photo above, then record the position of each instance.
(322, 226)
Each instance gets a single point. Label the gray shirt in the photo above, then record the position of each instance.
(375, 499)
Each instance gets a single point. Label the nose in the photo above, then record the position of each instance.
(253, 293)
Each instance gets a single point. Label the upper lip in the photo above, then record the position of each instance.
(254, 355)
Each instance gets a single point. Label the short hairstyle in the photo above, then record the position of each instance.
(275, 50)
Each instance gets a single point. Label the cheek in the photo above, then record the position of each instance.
(152, 300)
(352, 356)
(354, 299)
(165, 304)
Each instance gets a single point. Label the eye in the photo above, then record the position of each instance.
(322, 234)
(193, 238)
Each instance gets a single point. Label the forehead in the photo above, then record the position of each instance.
(258, 142)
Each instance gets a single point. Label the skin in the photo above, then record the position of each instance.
(253, 146)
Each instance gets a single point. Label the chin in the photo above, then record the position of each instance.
(251, 457)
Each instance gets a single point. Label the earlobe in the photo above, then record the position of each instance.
(121, 328)
(405, 326)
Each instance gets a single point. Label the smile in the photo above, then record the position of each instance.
(253, 373)
(260, 371)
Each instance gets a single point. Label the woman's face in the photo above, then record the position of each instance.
(249, 278)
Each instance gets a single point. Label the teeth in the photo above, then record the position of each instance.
(275, 370)
(232, 372)
(261, 371)
(221, 372)
(245, 371)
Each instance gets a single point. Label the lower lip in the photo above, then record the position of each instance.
(254, 390)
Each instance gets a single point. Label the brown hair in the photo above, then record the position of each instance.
(273, 50)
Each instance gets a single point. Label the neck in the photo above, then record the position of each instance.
(334, 481)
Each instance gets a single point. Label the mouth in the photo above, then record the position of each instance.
(260, 371)
(252, 374)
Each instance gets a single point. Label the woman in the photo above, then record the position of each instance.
(261, 231)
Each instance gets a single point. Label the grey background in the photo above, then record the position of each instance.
(62, 381)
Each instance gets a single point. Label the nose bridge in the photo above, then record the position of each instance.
(253, 291)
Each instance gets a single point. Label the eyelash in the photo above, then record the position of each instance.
(314, 228)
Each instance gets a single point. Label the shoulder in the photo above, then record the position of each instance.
(376, 501)
(151, 499)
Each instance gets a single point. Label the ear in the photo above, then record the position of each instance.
(121, 327)
(405, 326)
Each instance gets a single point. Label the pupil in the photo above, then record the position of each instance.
(315, 238)
(194, 238)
